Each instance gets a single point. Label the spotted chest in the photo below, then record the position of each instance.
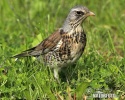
(78, 46)
(74, 46)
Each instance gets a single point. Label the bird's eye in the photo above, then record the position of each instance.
(80, 13)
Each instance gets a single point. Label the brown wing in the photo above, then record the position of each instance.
(44, 47)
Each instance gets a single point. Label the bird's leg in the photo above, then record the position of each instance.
(56, 74)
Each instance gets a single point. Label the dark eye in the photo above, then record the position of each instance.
(80, 13)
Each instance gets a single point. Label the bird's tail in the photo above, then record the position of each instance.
(25, 53)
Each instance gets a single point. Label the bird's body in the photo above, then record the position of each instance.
(66, 45)
(69, 48)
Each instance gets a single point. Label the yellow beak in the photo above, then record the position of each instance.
(90, 14)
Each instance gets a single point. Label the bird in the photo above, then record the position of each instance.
(64, 46)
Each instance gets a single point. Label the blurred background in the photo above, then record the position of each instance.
(21, 21)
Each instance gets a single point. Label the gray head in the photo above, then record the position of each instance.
(75, 17)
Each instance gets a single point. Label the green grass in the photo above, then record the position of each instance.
(24, 23)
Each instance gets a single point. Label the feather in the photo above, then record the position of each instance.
(44, 47)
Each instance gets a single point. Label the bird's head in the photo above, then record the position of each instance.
(76, 16)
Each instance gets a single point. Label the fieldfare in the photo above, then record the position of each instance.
(66, 45)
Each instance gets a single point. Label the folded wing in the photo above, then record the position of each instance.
(44, 47)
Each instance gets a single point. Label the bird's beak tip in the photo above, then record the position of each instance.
(91, 14)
